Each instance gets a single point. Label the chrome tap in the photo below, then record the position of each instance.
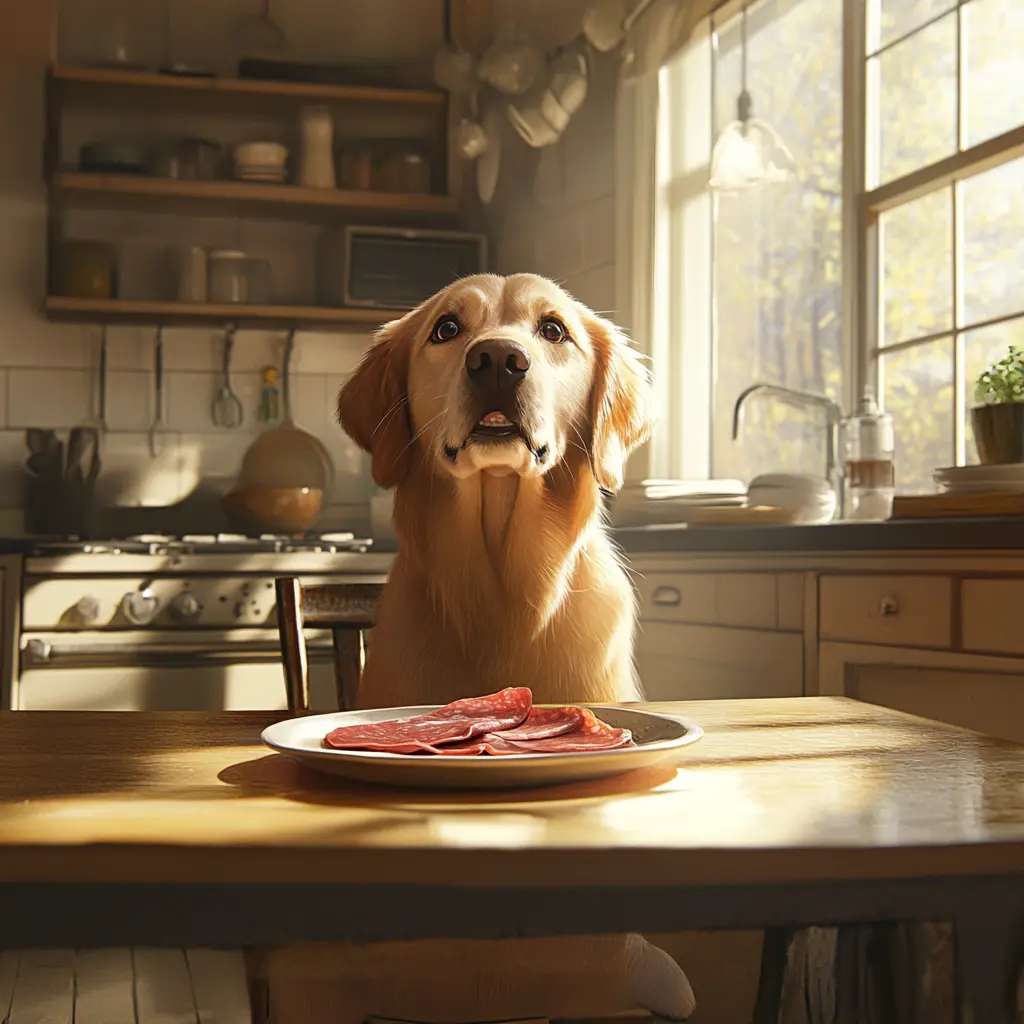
(833, 417)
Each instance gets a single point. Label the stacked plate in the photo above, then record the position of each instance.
(654, 502)
(261, 162)
(1007, 478)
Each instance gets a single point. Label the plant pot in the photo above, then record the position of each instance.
(999, 432)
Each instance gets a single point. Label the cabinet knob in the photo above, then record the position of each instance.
(889, 606)
(667, 597)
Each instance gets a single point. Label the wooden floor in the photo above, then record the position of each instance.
(123, 986)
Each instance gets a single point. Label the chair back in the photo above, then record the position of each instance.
(348, 610)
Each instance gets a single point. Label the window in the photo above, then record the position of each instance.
(760, 270)
(891, 262)
(944, 210)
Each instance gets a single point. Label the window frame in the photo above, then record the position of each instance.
(863, 207)
(686, 452)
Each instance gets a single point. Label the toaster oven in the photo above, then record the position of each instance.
(393, 268)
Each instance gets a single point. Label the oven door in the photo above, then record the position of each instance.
(235, 670)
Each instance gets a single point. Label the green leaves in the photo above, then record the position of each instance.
(1003, 381)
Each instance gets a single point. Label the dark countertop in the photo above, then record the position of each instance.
(979, 534)
(989, 533)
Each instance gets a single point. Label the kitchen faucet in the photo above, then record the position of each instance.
(833, 416)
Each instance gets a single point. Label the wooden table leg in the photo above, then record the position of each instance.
(774, 948)
(988, 948)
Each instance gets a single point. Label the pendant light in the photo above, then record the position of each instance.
(748, 153)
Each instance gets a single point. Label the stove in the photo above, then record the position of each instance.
(190, 622)
(220, 544)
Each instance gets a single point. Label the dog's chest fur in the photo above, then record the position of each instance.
(513, 585)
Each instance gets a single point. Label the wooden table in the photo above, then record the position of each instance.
(181, 829)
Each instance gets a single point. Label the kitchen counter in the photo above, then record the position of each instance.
(992, 533)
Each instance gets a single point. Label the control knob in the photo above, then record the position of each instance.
(88, 610)
(186, 607)
(140, 607)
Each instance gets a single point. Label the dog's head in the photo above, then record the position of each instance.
(499, 375)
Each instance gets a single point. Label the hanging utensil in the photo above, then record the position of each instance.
(158, 394)
(227, 408)
(260, 35)
(101, 411)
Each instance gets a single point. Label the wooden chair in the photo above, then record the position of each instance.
(348, 610)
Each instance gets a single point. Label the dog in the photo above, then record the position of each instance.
(499, 410)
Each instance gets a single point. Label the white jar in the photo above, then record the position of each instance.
(316, 159)
(229, 276)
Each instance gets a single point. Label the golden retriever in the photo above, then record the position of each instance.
(500, 409)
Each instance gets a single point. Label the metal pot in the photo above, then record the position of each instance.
(999, 432)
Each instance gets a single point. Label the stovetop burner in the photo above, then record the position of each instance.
(213, 544)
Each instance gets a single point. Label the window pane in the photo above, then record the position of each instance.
(993, 33)
(993, 217)
(981, 349)
(916, 101)
(917, 268)
(898, 17)
(777, 290)
(917, 388)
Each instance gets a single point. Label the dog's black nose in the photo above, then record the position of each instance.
(497, 364)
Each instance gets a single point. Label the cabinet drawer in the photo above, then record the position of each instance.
(677, 597)
(915, 611)
(705, 598)
(992, 615)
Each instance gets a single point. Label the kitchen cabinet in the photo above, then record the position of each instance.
(976, 692)
(939, 635)
(706, 635)
(691, 662)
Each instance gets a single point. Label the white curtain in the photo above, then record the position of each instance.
(636, 127)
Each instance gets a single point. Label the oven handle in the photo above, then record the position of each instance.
(37, 653)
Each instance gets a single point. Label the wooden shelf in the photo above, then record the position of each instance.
(131, 311)
(115, 77)
(156, 194)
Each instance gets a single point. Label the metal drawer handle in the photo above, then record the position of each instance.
(889, 606)
(667, 596)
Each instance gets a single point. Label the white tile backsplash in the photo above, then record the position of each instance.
(48, 397)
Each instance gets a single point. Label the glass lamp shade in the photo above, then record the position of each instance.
(747, 155)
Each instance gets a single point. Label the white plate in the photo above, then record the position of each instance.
(1007, 471)
(655, 737)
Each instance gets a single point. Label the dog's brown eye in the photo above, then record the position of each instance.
(445, 329)
(552, 330)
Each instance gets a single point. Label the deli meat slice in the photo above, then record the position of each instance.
(540, 723)
(455, 722)
(590, 734)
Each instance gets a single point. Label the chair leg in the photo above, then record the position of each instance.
(774, 949)
(348, 665)
(293, 643)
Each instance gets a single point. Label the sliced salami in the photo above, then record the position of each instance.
(589, 734)
(455, 722)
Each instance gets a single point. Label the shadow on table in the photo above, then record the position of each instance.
(279, 776)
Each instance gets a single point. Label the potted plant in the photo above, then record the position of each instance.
(998, 419)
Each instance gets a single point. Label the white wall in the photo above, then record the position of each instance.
(562, 221)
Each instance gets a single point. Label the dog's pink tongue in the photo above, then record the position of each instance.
(496, 419)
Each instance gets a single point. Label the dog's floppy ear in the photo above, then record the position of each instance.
(621, 401)
(373, 405)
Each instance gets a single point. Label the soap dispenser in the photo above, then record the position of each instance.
(868, 462)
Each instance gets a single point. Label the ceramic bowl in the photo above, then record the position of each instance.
(260, 154)
(254, 510)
